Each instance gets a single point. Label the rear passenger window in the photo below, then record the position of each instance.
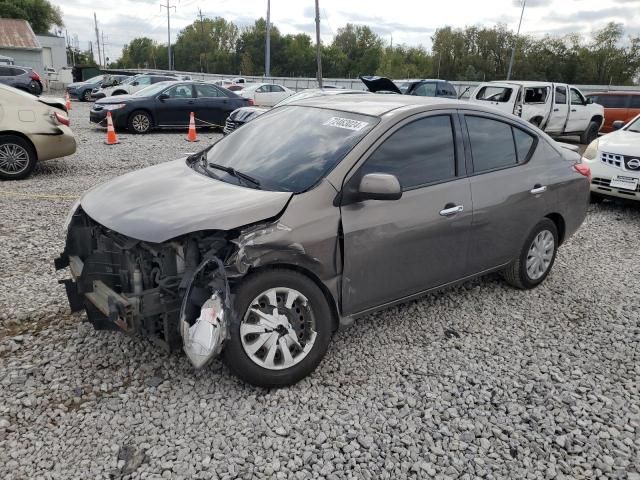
(561, 95)
(613, 101)
(426, 90)
(496, 144)
(635, 101)
(419, 153)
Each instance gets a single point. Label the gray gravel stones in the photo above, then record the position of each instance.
(532, 385)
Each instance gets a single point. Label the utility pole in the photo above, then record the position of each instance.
(267, 48)
(95, 20)
(204, 52)
(104, 55)
(513, 50)
(318, 45)
(168, 7)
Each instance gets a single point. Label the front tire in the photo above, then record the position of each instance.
(139, 122)
(282, 330)
(536, 258)
(590, 134)
(17, 157)
(86, 96)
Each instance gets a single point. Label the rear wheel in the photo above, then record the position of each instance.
(139, 122)
(17, 157)
(536, 257)
(283, 329)
(590, 134)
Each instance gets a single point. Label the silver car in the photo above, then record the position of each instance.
(262, 245)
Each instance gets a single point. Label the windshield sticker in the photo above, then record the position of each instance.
(346, 123)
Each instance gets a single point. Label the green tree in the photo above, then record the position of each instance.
(362, 47)
(207, 45)
(41, 14)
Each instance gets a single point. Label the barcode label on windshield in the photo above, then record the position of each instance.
(346, 123)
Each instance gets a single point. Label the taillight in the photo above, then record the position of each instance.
(34, 76)
(251, 102)
(61, 119)
(583, 169)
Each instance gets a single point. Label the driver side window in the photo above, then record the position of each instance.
(576, 98)
(263, 89)
(179, 91)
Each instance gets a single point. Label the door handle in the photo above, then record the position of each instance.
(574, 110)
(537, 189)
(451, 209)
(556, 109)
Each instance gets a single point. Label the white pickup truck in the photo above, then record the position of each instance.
(557, 108)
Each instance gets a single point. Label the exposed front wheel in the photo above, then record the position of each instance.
(86, 95)
(590, 134)
(17, 157)
(536, 257)
(282, 329)
(139, 122)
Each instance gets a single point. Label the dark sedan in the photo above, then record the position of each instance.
(168, 104)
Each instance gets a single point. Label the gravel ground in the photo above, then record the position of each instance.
(478, 381)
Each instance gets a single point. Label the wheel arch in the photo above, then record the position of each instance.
(560, 224)
(23, 136)
(119, 92)
(331, 301)
(598, 119)
(145, 110)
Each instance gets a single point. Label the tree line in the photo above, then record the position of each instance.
(215, 45)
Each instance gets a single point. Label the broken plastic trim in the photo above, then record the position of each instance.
(205, 312)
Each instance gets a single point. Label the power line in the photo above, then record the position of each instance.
(168, 7)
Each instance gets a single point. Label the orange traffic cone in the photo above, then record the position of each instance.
(112, 139)
(192, 136)
(67, 101)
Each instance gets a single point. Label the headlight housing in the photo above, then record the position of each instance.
(113, 106)
(72, 212)
(592, 150)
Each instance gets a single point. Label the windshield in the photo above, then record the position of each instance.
(299, 96)
(290, 149)
(151, 90)
(634, 125)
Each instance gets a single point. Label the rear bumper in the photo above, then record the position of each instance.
(54, 146)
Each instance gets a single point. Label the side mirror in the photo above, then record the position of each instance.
(134, 83)
(617, 125)
(162, 97)
(379, 186)
(589, 101)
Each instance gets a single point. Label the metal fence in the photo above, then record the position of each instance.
(301, 83)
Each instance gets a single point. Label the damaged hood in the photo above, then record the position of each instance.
(54, 102)
(380, 84)
(244, 114)
(165, 201)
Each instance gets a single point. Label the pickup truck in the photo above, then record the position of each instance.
(557, 108)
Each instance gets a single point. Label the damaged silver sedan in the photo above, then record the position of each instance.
(262, 245)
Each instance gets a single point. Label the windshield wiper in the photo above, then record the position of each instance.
(201, 154)
(236, 173)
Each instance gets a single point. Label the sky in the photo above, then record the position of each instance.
(412, 23)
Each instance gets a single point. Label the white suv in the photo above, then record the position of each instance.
(614, 160)
(133, 84)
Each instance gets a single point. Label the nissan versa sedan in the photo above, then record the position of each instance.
(262, 245)
(168, 104)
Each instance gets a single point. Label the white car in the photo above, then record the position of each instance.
(133, 84)
(266, 94)
(614, 160)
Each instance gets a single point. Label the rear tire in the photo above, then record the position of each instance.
(536, 258)
(139, 122)
(17, 157)
(590, 134)
(309, 318)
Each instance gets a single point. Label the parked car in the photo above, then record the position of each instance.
(22, 78)
(242, 115)
(168, 104)
(82, 90)
(261, 245)
(622, 106)
(109, 81)
(32, 129)
(420, 88)
(266, 94)
(557, 108)
(133, 84)
(614, 160)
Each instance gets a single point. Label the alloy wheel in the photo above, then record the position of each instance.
(140, 123)
(540, 254)
(14, 159)
(278, 329)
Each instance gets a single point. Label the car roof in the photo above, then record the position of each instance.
(378, 105)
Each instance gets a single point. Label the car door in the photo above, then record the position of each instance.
(397, 248)
(559, 110)
(579, 114)
(174, 106)
(261, 95)
(508, 187)
(212, 105)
